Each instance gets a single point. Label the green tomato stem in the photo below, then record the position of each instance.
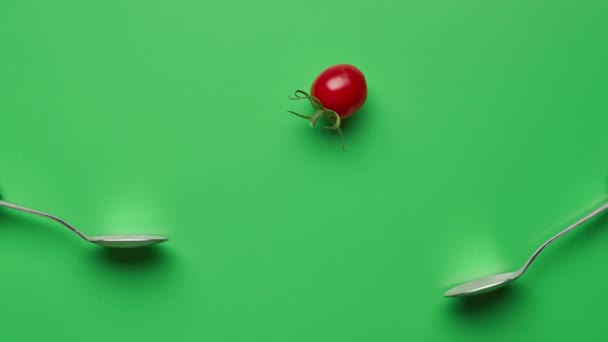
(320, 113)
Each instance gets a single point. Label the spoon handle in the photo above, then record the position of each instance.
(586, 218)
(39, 213)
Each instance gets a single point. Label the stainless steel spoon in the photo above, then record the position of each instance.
(114, 241)
(493, 282)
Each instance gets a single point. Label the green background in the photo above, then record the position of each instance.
(484, 133)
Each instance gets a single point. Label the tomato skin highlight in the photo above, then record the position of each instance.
(341, 88)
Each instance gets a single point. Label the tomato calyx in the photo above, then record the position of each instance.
(321, 113)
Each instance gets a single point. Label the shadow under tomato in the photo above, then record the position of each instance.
(353, 125)
(317, 138)
(352, 129)
(354, 122)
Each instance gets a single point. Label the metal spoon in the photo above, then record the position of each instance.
(493, 282)
(114, 241)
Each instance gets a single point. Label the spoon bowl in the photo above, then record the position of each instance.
(126, 241)
(483, 285)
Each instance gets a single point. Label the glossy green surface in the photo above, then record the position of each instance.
(484, 133)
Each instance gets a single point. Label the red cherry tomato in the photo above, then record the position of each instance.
(341, 88)
(336, 94)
